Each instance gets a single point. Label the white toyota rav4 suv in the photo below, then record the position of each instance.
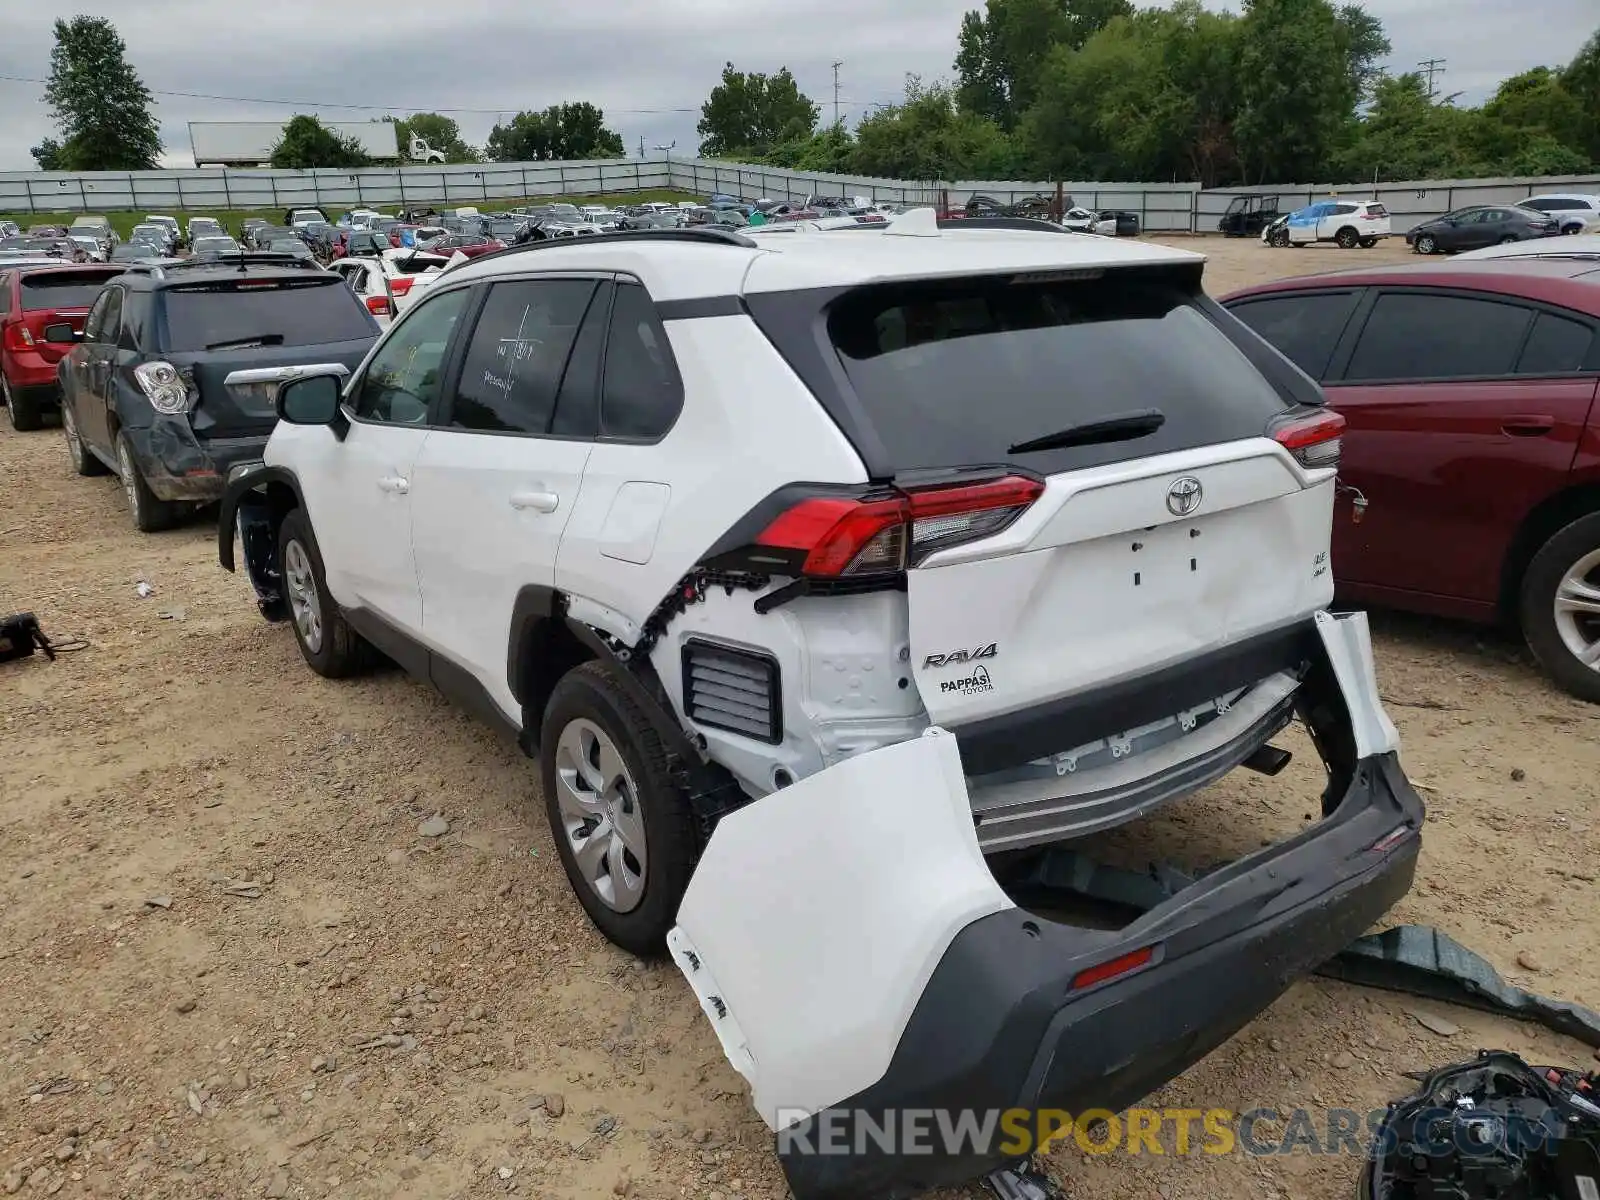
(836, 581)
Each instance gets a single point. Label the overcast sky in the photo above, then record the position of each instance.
(640, 60)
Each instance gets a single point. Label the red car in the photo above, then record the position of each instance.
(470, 244)
(31, 297)
(1471, 464)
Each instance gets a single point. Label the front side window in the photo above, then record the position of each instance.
(403, 379)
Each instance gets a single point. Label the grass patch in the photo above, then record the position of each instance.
(123, 222)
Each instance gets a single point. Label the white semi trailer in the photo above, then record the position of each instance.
(250, 143)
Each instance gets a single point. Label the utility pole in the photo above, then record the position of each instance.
(1433, 66)
(641, 145)
(836, 67)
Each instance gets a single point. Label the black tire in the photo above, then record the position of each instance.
(1427, 244)
(1540, 585)
(331, 648)
(83, 462)
(1347, 238)
(591, 693)
(23, 413)
(1507, 240)
(1368, 243)
(150, 513)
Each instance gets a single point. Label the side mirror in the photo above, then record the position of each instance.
(62, 334)
(313, 400)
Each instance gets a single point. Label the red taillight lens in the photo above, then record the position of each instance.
(18, 337)
(400, 284)
(378, 306)
(1315, 440)
(853, 537)
(1124, 964)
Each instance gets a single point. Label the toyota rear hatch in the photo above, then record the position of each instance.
(1097, 476)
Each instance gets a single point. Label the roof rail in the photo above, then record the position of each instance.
(233, 262)
(1025, 224)
(711, 235)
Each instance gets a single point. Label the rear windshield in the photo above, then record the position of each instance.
(284, 312)
(62, 289)
(956, 374)
(1377, 210)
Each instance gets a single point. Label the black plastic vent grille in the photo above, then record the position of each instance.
(736, 690)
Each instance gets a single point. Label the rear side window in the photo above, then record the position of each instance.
(642, 395)
(518, 352)
(951, 374)
(62, 289)
(5, 293)
(1556, 346)
(1412, 335)
(1304, 329)
(276, 312)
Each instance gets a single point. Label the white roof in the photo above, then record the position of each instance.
(678, 268)
(1574, 245)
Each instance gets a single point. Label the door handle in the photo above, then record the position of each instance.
(545, 502)
(395, 483)
(1528, 426)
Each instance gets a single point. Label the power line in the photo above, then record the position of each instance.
(403, 108)
(1433, 66)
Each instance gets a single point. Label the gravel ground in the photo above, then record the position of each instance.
(233, 967)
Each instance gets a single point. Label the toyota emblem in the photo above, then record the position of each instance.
(1184, 496)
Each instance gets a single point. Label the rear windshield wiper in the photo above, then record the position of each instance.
(1121, 428)
(261, 339)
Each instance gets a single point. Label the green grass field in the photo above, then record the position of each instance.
(123, 222)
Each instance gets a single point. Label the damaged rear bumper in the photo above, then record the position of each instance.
(178, 465)
(857, 987)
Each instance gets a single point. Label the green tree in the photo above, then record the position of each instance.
(928, 138)
(750, 113)
(1296, 94)
(1581, 78)
(48, 155)
(1406, 135)
(829, 151)
(1535, 106)
(1151, 96)
(308, 143)
(562, 132)
(1363, 44)
(1003, 50)
(99, 104)
(440, 132)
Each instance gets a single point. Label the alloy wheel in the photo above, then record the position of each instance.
(305, 604)
(130, 478)
(600, 814)
(1578, 610)
(75, 449)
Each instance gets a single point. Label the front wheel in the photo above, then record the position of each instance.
(622, 825)
(1347, 238)
(1561, 607)
(1426, 244)
(83, 463)
(330, 647)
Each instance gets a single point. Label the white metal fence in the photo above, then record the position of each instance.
(1162, 207)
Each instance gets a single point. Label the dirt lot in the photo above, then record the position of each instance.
(167, 1036)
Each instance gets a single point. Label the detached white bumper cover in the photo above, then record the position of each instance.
(817, 915)
(858, 959)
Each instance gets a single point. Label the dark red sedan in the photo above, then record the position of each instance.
(470, 244)
(1470, 478)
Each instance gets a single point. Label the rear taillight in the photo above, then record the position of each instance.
(1315, 439)
(165, 387)
(401, 284)
(886, 533)
(18, 337)
(378, 306)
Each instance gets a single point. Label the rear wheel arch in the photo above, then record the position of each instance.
(1547, 518)
(541, 647)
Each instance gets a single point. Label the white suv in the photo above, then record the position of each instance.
(817, 572)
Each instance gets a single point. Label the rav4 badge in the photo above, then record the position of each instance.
(957, 657)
